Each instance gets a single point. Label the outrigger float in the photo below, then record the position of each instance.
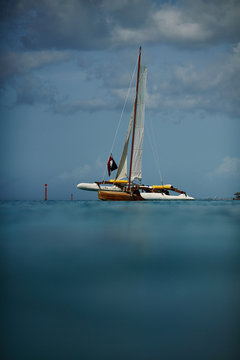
(127, 186)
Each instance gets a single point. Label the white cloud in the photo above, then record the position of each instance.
(171, 23)
(92, 171)
(186, 23)
(230, 166)
(214, 88)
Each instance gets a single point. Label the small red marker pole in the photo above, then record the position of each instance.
(45, 191)
(71, 196)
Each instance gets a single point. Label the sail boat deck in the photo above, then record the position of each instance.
(142, 192)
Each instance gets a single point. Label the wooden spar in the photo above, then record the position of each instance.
(134, 120)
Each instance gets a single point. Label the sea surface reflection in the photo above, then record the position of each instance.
(99, 280)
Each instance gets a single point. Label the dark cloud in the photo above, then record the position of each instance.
(73, 24)
(212, 87)
(31, 90)
(98, 24)
(45, 30)
(14, 63)
(129, 14)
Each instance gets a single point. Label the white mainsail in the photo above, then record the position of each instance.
(139, 132)
(122, 168)
(139, 126)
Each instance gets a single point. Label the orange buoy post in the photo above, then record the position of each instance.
(45, 191)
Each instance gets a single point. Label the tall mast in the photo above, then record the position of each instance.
(134, 120)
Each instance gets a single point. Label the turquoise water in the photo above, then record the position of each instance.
(99, 280)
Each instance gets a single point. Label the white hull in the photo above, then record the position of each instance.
(153, 196)
(88, 186)
(96, 187)
(157, 196)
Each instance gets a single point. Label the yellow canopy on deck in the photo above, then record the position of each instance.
(118, 181)
(162, 186)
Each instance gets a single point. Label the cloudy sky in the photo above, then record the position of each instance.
(65, 71)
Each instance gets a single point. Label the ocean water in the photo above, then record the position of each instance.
(105, 280)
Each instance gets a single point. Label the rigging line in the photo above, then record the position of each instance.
(154, 154)
(154, 149)
(120, 119)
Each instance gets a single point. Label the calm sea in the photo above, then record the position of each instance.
(100, 280)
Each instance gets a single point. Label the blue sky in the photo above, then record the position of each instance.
(64, 75)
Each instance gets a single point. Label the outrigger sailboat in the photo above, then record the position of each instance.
(125, 187)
